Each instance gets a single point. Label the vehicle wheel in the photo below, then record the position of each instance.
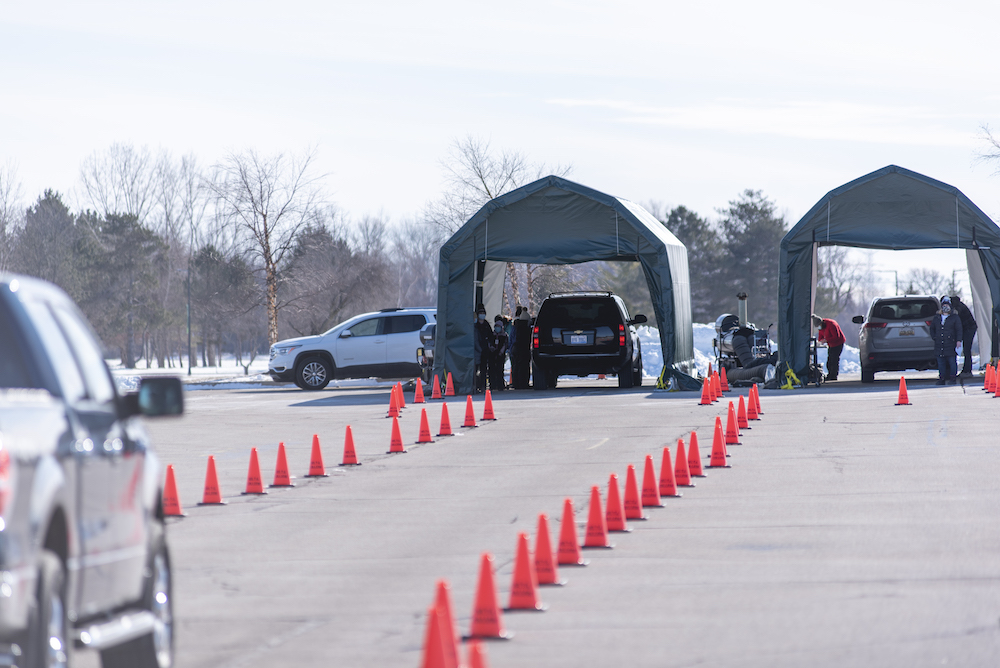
(637, 376)
(538, 377)
(867, 374)
(313, 373)
(48, 644)
(625, 379)
(156, 649)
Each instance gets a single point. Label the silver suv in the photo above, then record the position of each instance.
(896, 335)
(381, 345)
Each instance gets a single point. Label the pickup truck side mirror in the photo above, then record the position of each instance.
(157, 396)
(638, 320)
(858, 319)
(346, 334)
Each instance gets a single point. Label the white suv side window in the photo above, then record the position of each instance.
(368, 327)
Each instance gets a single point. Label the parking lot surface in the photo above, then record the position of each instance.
(849, 530)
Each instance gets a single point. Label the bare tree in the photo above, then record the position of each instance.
(121, 180)
(991, 152)
(415, 251)
(267, 200)
(926, 282)
(11, 212)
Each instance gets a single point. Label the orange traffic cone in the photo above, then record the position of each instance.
(418, 392)
(756, 398)
(435, 646)
(445, 421)
(393, 404)
(171, 501)
(732, 432)
(350, 457)
(614, 514)
(718, 460)
(751, 407)
(694, 457)
(524, 585)
(316, 468)
(569, 546)
(488, 408)
(682, 474)
(487, 620)
(717, 387)
(986, 378)
(436, 389)
(597, 529)
(725, 381)
(741, 415)
(601, 376)
(996, 386)
(281, 476)
(904, 399)
(477, 655)
(211, 496)
(400, 399)
(545, 562)
(668, 486)
(254, 484)
(706, 394)
(396, 439)
(449, 388)
(446, 622)
(633, 504)
(470, 415)
(710, 369)
(425, 429)
(993, 378)
(650, 486)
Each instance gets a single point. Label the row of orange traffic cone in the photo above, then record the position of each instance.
(441, 641)
(713, 385)
(213, 496)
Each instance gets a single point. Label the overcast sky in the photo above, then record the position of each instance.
(681, 103)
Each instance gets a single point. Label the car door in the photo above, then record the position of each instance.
(403, 339)
(362, 353)
(120, 458)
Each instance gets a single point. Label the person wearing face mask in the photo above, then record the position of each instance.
(482, 335)
(498, 354)
(946, 331)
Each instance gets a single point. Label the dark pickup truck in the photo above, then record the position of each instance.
(83, 552)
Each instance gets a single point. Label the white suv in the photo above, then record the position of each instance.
(382, 345)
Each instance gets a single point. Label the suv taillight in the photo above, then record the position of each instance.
(621, 335)
(4, 479)
(875, 325)
(534, 337)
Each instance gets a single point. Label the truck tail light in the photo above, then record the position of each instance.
(534, 336)
(875, 325)
(621, 335)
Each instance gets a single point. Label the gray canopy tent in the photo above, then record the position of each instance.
(555, 221)
(894, 209)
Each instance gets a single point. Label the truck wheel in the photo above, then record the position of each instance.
(156, 649)
(625, 378)
(313, 373)
(48, 644)
(637, 378)
(538, 377)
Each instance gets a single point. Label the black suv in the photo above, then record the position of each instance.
(583, 333)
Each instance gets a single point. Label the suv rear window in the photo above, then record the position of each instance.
(582, 312)
(909, 309)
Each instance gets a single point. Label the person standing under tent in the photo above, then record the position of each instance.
(969, 328)
(482, 334)
(498, 355)
(520, 350)
(946, 330)
(829, 332)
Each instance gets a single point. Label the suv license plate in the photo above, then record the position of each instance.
(577, 339)
(906, 332)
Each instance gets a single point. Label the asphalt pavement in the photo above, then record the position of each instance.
(849, 530)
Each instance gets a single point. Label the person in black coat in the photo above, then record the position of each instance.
(520, 349)
(482, 335)
(946, 330)
(498, 355)
(969, 328)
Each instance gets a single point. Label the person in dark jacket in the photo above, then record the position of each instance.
(946, 330)
(498, 355)
(829, 332)
(520, 350)
(969, 328)
(482, 336)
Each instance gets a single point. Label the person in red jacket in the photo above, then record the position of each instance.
(829, 333)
